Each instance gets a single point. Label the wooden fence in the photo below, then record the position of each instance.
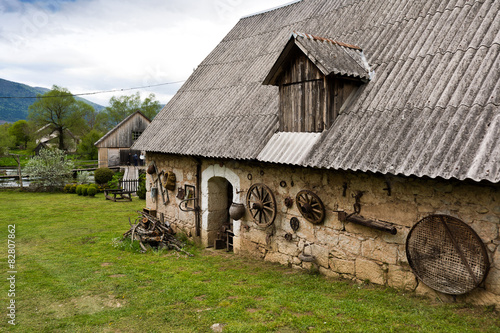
(130, 185)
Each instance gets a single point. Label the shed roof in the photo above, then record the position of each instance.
(120, 124)
(431, 108)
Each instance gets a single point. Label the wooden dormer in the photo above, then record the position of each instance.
(315, 78)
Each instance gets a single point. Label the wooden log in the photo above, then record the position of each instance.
(379, 225)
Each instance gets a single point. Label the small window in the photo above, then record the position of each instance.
(136, 135)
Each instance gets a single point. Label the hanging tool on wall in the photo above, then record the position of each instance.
(161, 187)
(358, 219)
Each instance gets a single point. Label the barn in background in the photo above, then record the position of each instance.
(358, 138)
(114, 146)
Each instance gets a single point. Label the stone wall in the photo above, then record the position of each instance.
(184, 169)
(342, 249)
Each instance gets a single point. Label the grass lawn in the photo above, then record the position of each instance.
(10, 161)
(73, 276)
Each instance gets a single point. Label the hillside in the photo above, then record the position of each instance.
(14, 109)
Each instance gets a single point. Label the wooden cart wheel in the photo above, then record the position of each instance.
(310, 206)
(261, 204)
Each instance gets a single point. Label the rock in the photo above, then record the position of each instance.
(217, 327)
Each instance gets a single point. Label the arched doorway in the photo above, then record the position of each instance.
(220, 197)
(220, 187)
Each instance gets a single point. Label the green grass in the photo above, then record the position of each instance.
(10, 161)
(74, 276)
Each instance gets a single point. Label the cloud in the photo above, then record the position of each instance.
(93, 45)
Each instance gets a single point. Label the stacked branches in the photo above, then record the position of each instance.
(149, 230)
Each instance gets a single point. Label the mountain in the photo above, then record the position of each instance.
(14, 109)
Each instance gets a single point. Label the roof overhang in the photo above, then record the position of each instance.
(330, 57)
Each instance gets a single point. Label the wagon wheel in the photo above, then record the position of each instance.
(261, 204)
(310, 206)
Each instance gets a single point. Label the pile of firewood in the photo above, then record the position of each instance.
(152, 232)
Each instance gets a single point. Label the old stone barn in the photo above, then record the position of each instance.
(361, 138)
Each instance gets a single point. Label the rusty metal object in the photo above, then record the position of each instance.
(379, 225)
(288, 236)
(307, 257)
(283, 183)
(447, 255)
(294, 223)
(261, 204)
(269, 238)
(310, 206)
(289, 202)
(344, 189)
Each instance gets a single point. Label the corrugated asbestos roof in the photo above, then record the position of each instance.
(431, 108)
(288, 148)
(330, 56)
(334, 57)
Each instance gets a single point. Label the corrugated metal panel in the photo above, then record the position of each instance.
(288, 148)
(431, 109)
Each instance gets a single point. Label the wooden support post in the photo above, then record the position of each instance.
(18, 160)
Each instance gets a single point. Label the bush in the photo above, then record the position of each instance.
(92, 191)
(50, 169)
(103, 175)
(67, 188)
(141, 190)
(83, 177)
(79, 189)
(70, 188)
(115, 181)
(85, 189)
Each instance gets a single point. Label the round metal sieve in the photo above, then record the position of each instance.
(446, 254)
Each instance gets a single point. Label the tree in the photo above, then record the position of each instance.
(21, 131)
(61, 111)
(86, 147)
(7, 141)
(51, 168)
(123, 106)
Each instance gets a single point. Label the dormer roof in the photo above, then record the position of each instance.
(330, 57)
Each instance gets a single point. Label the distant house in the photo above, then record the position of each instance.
(48, 137)
(114, 146)
(362, 137)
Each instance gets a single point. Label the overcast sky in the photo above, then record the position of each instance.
(99, 45)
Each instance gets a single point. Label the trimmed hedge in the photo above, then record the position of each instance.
(79, 189)
(92, 191)
(103, 175)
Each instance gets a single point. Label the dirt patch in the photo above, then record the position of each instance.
(200, 298)
(117, 275)
(252, 310)
(84, 305)
(105, 264)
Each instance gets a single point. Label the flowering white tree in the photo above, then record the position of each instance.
(51, 168)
